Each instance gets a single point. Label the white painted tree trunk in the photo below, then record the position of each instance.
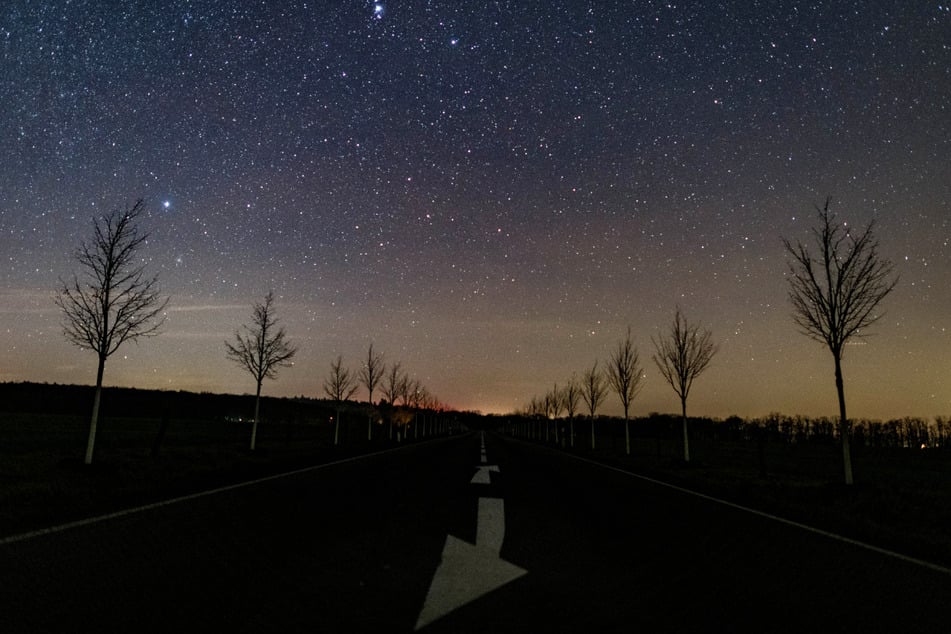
(254, 425)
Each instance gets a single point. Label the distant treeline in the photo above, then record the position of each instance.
(911, 432)
(124, 402)
(120, 402)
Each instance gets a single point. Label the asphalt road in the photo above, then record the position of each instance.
(358, 547)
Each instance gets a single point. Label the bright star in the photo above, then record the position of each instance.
(378, 11)
(166, 204)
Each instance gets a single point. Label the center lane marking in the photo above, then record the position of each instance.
(466, 571)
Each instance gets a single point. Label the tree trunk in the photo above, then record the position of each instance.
(337, 428)
(94, 419)
(592, 432)
(257, 410)
(627, 435)
(843, 422)
(683, 407)
(571, 431)
(370, 426)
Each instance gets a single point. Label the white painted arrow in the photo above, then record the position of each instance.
(468, 572)
(482, 475)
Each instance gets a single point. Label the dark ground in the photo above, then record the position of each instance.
(353, 547)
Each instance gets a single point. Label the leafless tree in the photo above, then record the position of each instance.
(593, 392)
(835, 294)
(261, 350)
(370, 376)
(624, 375)
(392, 386)
(339, 386)
(392, 389)
(682, 355)
(570, 396)
(115, 301)
(556, 404)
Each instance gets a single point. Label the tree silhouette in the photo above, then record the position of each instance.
(114, 302)
(261, 350)
(682, 356)
(571, 395)
(593, 392)
(835, 294)
(624, 374)
(556, 403)
(370, 376)
(339, 386)
(392, 389)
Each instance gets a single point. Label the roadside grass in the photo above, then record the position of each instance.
(43, 480)
(901, 499)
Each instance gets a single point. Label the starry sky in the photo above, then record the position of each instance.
(490, 192)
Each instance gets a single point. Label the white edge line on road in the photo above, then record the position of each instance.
(775, 518)
(192, 496)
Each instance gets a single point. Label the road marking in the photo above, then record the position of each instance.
(194, 496)
(775, 518)
(490, 527)
(467, 572)
(482, 475)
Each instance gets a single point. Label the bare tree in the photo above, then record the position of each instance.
(261, 350)
(571, 396)
(339, 386)
(115, 301)
(392, 386)
(624, 375)
(556, 404)
(370, 376)
(835, 294)
(593, 392)
(682, 355)
(392, 389)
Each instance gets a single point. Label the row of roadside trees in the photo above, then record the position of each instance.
(681, 355)
(836, 285)
(112, 301)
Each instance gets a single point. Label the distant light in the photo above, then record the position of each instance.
(166, 204)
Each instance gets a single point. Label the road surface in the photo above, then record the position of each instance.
(470, 534)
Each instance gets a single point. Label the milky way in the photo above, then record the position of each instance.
(491, 192)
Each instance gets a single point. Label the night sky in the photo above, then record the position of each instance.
(491, 192)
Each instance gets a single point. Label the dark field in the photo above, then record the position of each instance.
(43, 480)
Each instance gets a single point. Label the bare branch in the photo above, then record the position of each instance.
(115, 302)
(593, 389)
(683, 354)
(263, 348)
(624, 372)
(341, 385)
(835, 295)
(372, 372)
